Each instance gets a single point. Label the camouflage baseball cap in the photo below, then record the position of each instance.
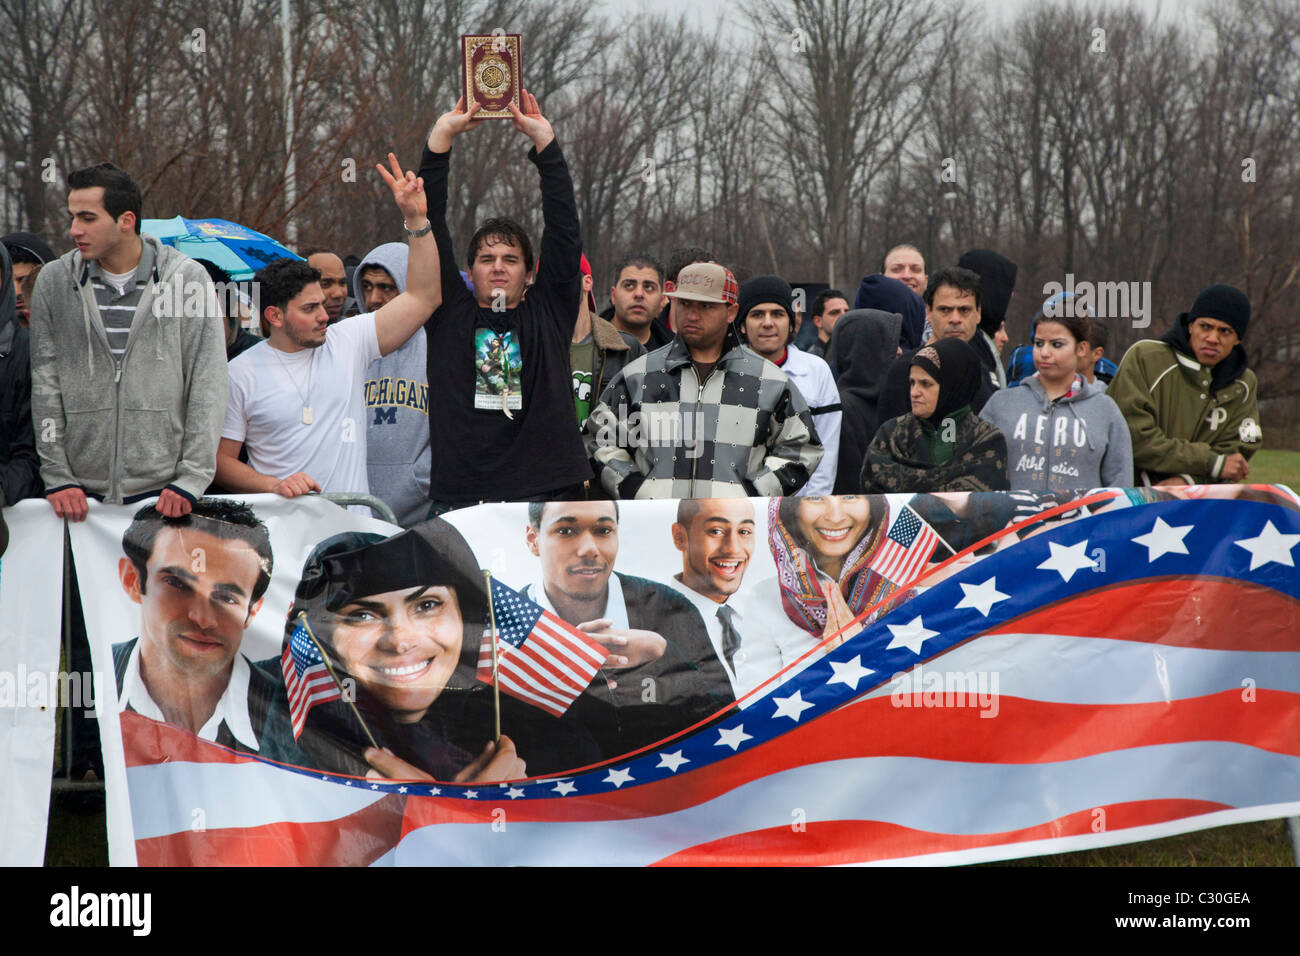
(706, 282)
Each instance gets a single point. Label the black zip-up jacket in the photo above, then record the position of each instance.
(20, 467)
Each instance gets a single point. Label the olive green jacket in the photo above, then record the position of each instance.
(1180, 424)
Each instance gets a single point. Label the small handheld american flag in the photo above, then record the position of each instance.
(907, 547)
(306, 676)
(543, 660)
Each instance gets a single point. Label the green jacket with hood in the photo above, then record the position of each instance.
(1185, 418)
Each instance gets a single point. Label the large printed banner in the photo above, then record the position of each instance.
(32, 684)
(938, 679)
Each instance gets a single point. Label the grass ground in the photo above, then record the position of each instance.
(1276, 468)
(1247, 844)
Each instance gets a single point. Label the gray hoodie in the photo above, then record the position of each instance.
(1077, 442)
(125, 433)
(397, 407)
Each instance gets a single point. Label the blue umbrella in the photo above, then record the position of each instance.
(235, 248)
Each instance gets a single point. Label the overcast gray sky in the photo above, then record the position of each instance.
(710, 12)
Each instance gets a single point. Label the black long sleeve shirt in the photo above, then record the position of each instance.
(480, 453)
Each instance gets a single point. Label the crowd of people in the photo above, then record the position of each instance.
(435, 389)
(126, 376)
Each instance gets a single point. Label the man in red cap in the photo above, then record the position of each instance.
(598, 351)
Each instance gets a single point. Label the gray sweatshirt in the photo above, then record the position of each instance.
(1075, 443)
(397, 408)
(124, 432)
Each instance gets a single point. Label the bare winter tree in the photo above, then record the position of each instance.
(40, 91)
(847, 82)
(1246, 225)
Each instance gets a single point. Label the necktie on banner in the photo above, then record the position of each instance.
(543, 660)
(907, 547)
(306, 677)
(730, 636)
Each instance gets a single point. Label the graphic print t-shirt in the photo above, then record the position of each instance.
(582, 361)
(498, 371)
(483, 453)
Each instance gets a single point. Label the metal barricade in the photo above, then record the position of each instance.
(380, 508)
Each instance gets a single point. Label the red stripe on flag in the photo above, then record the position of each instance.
(823, 843)
(900, 564)
(1024, 731)
(527, 693)
(531, 664)
(357, 839)
(588, 648)
(537, 660)
(1201, 612)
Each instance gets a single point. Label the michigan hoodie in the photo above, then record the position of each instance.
(397, 407)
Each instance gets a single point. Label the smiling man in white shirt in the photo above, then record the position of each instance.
(716, 539)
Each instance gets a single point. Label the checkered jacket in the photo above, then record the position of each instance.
(659, 433)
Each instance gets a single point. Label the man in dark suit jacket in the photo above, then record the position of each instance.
(198, 579)
(662, 675)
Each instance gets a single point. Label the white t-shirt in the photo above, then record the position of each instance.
(118, 280)
(267, 392)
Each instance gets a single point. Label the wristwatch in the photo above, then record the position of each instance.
(422, 231)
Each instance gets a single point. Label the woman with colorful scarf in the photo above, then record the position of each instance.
(941, 445)
(823, 547)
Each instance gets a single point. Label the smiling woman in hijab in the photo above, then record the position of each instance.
(402, 619)
(941, 445)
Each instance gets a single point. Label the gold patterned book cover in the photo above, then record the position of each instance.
(490, 72)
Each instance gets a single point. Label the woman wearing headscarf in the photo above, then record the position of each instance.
(823, 548)
(827, 551)
(941, 445)
(401, 620)
(863, 345)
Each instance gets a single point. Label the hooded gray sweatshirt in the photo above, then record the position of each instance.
(397, 407)
(126, 431)
(1076, 442)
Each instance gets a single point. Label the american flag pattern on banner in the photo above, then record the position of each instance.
(1151, 730)
(906, 549)
(306, 677)
(542, 660)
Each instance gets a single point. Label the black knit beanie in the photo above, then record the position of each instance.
(762, 289)
(1226, 304)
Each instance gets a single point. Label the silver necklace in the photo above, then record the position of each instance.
(311, 365)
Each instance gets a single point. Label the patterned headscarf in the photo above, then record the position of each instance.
(799, 578)
(956, 367)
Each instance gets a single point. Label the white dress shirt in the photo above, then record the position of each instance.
(759, 656)
(232, 708)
